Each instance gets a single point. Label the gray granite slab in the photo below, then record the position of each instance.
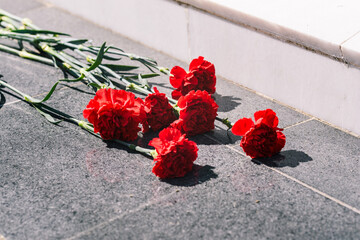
(56, 181)
(325, 158)
(245, 201)
(60, 181)
(317, 154)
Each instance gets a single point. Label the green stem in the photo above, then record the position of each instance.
(131, 85)
(28, 37)
(51, 51)
(2, 83)
(26, 22)
(131, 146)
(80, 123)
(225, 121)
(25, 54)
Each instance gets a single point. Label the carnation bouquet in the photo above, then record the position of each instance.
(126, 103)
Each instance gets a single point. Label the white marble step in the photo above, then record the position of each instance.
(304, 54)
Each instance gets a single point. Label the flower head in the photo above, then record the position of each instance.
(262, 138)
(159, 113)
(115, 114)
(175, 154)
(197, 114)
(201, 76)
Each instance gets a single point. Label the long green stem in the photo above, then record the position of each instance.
(25, 54)
(80, 123)
(25, 21)
(2, 83)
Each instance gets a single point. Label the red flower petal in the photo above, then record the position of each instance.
(156, 90)
(267, 117)
(281, 139)
(190, 80)
(170, 134)
(156, 143)
(242, 126)
(178, 76)
(196, 63)
(176, 94)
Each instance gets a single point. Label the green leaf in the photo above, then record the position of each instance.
(109, 52)
(95, 85)
(59, 46)
(116, 48)
(77, 41)
(46, 115)
(73, 80)
(120, 68)
(69, 43)
(98, 58)
(33, 31)
(55, 63)
(148, 60)
(94, 50)
(33, 100)
(151, 75)
(111, 58)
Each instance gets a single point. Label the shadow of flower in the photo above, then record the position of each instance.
(226, 103)
(198, 175)
(289, 158)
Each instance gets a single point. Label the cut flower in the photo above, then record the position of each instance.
(115, 114)
(175, 154)
(197, 113)
(262, 138)
(158, 110)
(201, 76)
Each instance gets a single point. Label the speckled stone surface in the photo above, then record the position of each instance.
(60, 182)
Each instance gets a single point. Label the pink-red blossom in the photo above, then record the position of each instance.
(197, 113)
(159, 112)
(175, 154)
(262, 138)
(201, 76)
(115, 114)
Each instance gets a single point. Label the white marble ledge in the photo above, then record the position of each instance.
(320, 25)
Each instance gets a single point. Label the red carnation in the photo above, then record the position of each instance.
(262, 138)
(115, 114)
(159, 112)
(201, 76)
(197, 114)
(176, 154)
